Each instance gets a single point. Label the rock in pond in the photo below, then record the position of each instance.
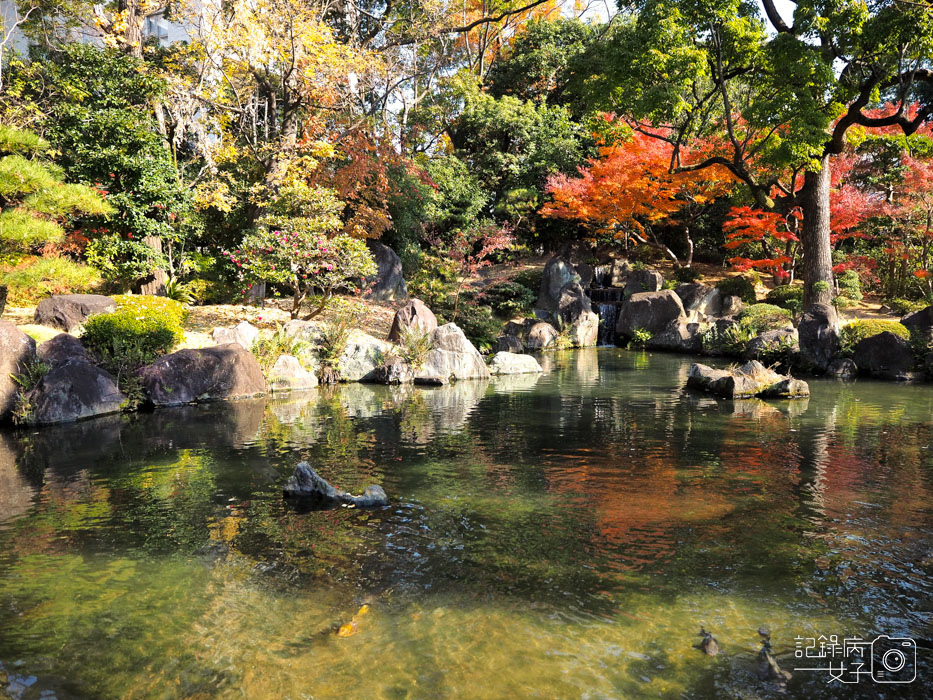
(17, 350)
(306, 484)
(842, 368)
(884, 355)
(650, 311)
(362, 356)
(771, 343)
(558, 272)
(287, 374)
(818, 332)
(452, 356)
(394, 370)
(74, 391)
(208, 374)
(575, 315)
(68, 311)
(750, 379)
(679, 336)
(243, 333)
(414, 314)
(512, 363)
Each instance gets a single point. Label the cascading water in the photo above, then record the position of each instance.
(608, 313)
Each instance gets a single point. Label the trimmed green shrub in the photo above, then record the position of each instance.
(787, 296)
(208, 291)
(850, 286)
(759, 318)
(141, 329)
(740, 287)
(509, 298)
(858, 330)
(530, 278)
(685, 275)
(902, 307)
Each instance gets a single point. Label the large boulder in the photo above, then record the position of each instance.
(287, 374)
(842, 368)
(414, 314)
(885, 355)
(575, 315)
(68, 311)
(305, 483)
(751, 379)
(920, 322)
(731, 306)
(540, 336)
(639, 281)
(62, 349)
(651, 311)
(388, 284)
(452, 356)
(394, 370)
(621, 269)
(362, 356)
(773, 343)
(700, 298)
(558, 272)
(511, 363)
(73, 391)
(243, 333)
(17, 350)
(208, 374)
(679, 336)
(509, 343)
(818, 332)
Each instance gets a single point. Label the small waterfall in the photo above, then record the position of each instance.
(601, 274)
(607, 323)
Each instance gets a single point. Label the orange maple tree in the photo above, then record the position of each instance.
(630, 189)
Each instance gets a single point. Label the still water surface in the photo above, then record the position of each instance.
(561, 536)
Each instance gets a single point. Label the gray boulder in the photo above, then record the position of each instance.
(305, 483)
(509, 343)
(208, 374)
(732, 306)
(414, 314)
(287, 374)
(540, 336)
(751, 379)
(73, 391)
(621, 269)
(770, 343)
(652, 311)
(842, 368)
(575, 315)
(243, 333)
(62, 349)
(68, 311)
(362, 356)
(393, 371)
(452, 356)
(885, 355)
(639, 281)
(920, 322)
(511, 363)
(679, 336)
(558, 272)
(700, 298)
(388, 284)
(17, 350)
(818, 332)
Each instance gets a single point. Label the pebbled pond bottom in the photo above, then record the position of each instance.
(562, 536)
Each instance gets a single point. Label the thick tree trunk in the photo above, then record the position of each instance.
(814, 237)
(155, 283)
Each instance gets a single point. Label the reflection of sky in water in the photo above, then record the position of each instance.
(562, 535)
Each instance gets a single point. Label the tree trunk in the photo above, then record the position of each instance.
(155, 283)
(814, 237)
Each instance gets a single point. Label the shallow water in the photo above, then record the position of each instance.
(562, 536)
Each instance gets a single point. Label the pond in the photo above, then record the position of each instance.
(561, 536)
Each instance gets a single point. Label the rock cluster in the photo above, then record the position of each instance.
(748, 380)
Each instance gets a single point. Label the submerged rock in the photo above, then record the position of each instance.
(307, 484)
(751, 379)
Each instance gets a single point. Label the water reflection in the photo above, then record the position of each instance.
(567, 531)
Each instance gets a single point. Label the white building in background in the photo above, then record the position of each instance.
(155, 26)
